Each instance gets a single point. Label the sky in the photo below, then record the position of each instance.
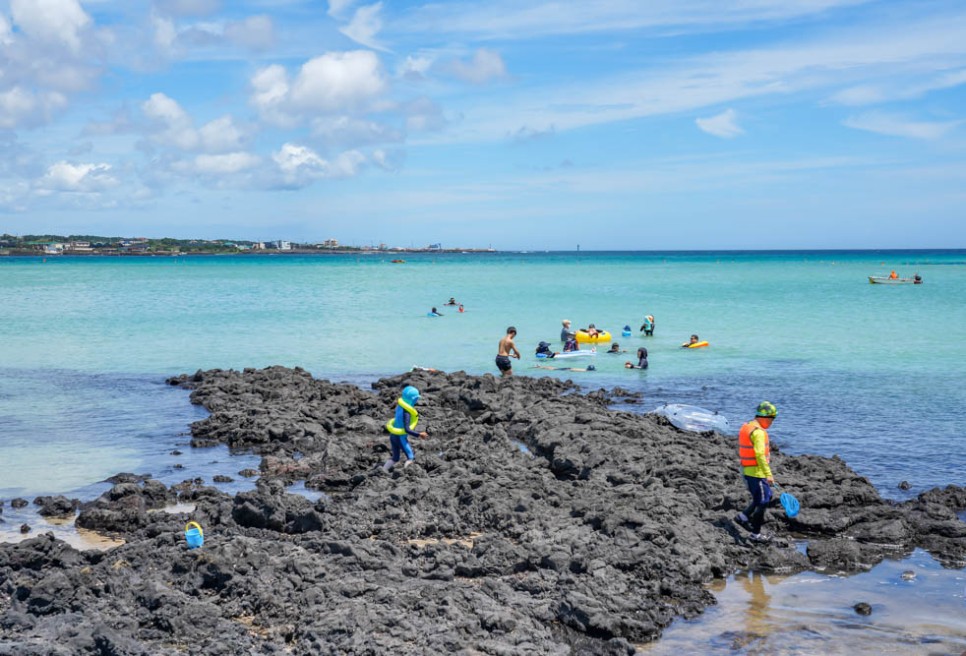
(536, 125)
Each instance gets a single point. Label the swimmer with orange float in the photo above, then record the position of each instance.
(695, 342)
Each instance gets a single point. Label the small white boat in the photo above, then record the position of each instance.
(886, 280)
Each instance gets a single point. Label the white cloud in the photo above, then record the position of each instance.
(82, 178)
(225, 164)
(338, 81)
(350, 131)
(898, 126)
(270, 92)
(54, 22)
(424, 115)
(292, 157)
(337, 7)
(170, 125)
(387, 161)
(221, 136)
(899, 89)
(188, 7)
(512, 19)
(366, 23)
(175, 126)
(6, 32)
(120, 123)
(300, 166)
(864, 94)
(333, 83)
(49, 52)
(20, 107)
(165, 33)
(486, 65)
(722, 125)
(347, 164)
(918, 48)
(254, 33)
(15, 105)
(415, 67)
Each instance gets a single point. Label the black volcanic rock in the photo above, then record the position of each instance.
(592, 542)
(56, 506)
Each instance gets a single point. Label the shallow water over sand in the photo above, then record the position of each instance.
(813, 613)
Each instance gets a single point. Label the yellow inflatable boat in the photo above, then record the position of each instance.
(583, 337)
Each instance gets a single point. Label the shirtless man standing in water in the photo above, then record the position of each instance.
(506, 349)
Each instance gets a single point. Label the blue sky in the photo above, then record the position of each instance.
(616, 124)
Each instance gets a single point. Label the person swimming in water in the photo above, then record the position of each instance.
(641, 360)
(694, 340)
(615, 348)
(543, 349)
(451, 301)
(434, 313)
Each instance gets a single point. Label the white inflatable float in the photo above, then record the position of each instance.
(693, 419)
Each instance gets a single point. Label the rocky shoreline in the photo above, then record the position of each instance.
(535, 520)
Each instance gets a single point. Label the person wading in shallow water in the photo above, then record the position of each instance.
(754, 452)
(505, 350)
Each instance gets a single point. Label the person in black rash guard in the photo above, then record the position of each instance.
(641, 360)
(544, 349)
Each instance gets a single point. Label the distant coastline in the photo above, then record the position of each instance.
(250, 253)
(86, 245)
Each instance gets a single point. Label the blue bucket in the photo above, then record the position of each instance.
(194, 535)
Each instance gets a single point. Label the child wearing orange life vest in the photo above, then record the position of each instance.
(754, 452)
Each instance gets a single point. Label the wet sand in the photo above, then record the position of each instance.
(63, 528)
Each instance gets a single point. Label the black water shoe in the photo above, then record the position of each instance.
(742, 521)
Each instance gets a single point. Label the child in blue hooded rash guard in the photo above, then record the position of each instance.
(402, 425)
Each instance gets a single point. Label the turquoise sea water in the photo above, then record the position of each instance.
(871, 372)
